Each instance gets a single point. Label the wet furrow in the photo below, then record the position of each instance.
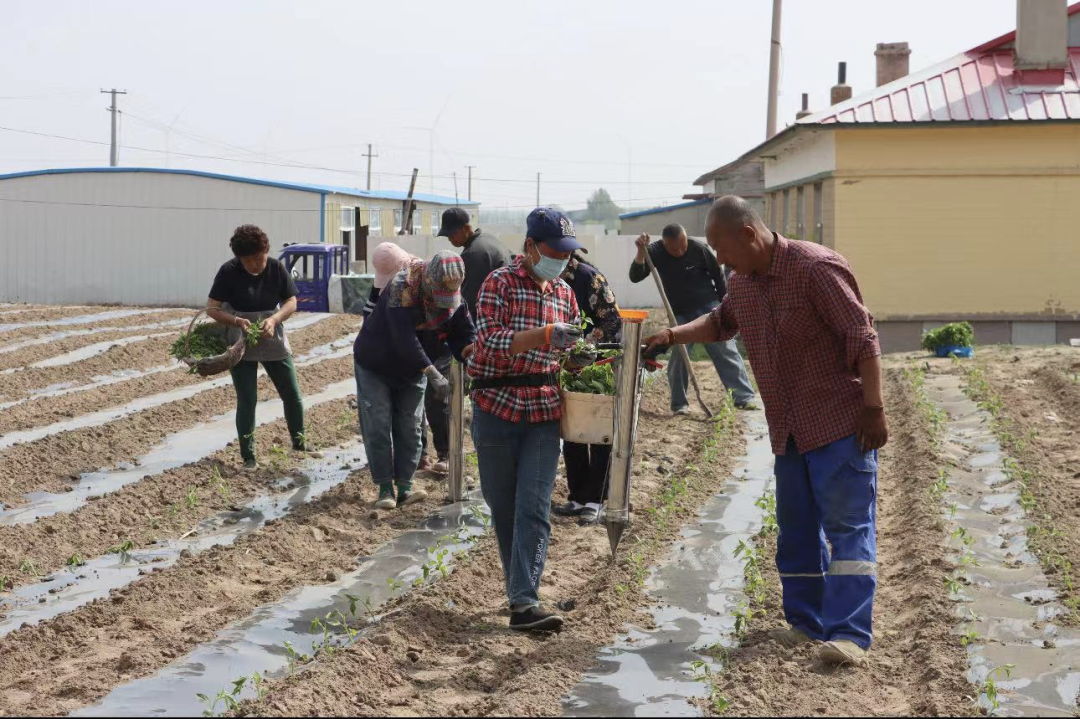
(84, 319)
(67, 590)
(647, 671)
(1006, 606)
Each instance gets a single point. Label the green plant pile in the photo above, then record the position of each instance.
(205, 342)
(252, 334)
(594, 379)
(955, 334)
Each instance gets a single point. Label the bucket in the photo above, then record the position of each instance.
(587, 418)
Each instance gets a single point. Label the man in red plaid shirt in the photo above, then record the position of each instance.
(525, 320)
(815, 354)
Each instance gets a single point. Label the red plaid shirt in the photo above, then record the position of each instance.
(511, 301)
(805, 328)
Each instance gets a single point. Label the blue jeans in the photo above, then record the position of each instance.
(725, 358)
(391, 420)
(518, 461)
(830, 494)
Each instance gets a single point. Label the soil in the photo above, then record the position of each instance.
(917, 666)
(469, 662)
(25, 333)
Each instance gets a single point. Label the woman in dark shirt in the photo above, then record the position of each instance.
(415, 315)
(587, 464)
(251, 287)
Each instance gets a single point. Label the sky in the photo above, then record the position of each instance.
(637, 97)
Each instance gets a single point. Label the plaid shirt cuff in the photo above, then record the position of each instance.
(497, 343)
(862, 343)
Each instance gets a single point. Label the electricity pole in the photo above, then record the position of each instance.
(538, 189)
(774, 71)
(368, 155)
(470, 180)
(114, 151)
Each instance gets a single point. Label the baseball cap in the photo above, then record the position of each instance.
(453, 220)
(554, 229)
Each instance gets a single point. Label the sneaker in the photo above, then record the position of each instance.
(251, 464)
(425, 464)
(681, 411)
(535, 619)
(410, 496)
(386, 498)
(841, 652)
(441, 467)
(570, 509)
(789, 638)
(590, 514)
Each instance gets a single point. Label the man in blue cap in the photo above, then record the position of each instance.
(526, 320)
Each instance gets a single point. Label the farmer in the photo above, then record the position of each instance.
(695, 285)
(526, 318)
(587, 464)
(481, 254)
(815, 354)
(248, 288)
(417, 313)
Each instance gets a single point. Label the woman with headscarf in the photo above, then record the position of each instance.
(417, 316)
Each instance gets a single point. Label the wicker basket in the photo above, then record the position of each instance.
(217, 364)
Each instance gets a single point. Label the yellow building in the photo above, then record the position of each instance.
(952, 191)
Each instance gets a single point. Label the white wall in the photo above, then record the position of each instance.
(803, 157)
(134, 238)
(611, 253)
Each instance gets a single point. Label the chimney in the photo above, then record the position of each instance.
(805, 108)
(892, 61)
(1042, 28)
(841, 90)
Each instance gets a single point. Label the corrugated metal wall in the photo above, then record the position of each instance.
(134, 238)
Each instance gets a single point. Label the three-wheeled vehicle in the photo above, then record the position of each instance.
(311, 267)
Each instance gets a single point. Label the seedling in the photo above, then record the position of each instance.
(346, 419)
(369, 607)
(226, 696)
(294, 658)
(704, 673)
(953, 585)
(191, 498)
(989, 687)
(259, 684)
(27, 566)
(6, 583)
(219, 484)
(253, 333)
(395, 584)
(279, 458)
(970, 636)
(124, 550)
(75, 561)
(767, 504)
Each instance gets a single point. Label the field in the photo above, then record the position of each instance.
(141, 568)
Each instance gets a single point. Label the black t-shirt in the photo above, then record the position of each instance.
(246, 292)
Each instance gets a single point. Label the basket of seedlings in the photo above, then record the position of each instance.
(588, 402)
(951, 340)
(204, 350)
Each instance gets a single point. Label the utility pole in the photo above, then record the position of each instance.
(470, 180)
(538, 189)
(774, 71)
(456, 201)
(368, 155)
(114, 151)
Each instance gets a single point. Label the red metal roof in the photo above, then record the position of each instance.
(980, 84)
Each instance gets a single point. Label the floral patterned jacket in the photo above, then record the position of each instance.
(596, 300)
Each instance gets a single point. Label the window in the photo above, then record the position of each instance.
(397, 221)
(472, 218)
(417, 222)
(348, 221)
(375, 221)
(800, 212)
(819, 226)
(784, 214)
(434, 221)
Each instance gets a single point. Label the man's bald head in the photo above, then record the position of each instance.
(737, 234)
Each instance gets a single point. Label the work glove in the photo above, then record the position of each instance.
(438, 384)
(580, 359)
(562, 336)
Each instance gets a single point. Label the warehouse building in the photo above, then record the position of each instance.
(951, 190)
(152, 236)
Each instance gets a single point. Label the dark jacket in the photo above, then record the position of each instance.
(389, 343)
(481, 255)
(691, 282)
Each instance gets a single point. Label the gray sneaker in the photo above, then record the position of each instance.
(681, 411)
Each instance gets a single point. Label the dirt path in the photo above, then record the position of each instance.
(49, 464)
(31, 331)
(469, 662)
(140, 356)
(918, 665)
